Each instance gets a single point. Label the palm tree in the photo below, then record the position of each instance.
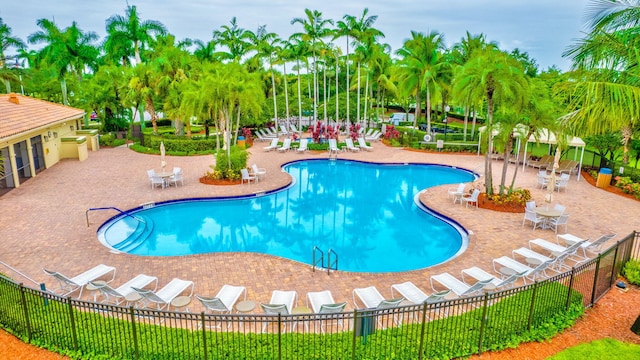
(141, 89)
(315, 29)
(204, 52)
(69, 51)
(129, 30)
(235, 39)
(606, 95)
(7, 41)
(418, 68)
(298, 50)
(267, 45)
(497, 76)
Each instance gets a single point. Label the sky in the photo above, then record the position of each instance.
(542, 28)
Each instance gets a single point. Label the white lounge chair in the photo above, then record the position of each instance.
(224, 300)
(69, 285)
(371, 298)
(473, 198)
(266, 133)
(494, 282)
(349, 145)
(333, 147)
(272, 146)
(286, 145)
(303, 145)
(246, 177)
(592, 247)
(322, 303)
(460, 288)
(374, 137)
(163, 297)
(283, 130)
(363, 144)
(258, 172)
(119, 294)
(282, 302)
(554, 248)
(519, 268)
(412, 293)
(261, 136)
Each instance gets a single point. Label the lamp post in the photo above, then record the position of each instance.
(446, 127)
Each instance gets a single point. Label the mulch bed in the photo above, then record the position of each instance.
(207, 181)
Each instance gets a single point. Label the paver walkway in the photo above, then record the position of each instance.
(43, 222)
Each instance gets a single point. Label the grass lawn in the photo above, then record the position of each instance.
(600, 349)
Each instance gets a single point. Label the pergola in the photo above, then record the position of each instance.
(544, 136)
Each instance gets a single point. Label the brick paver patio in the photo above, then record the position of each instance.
(43, 223)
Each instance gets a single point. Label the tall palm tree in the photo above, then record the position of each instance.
(315, 29)
(418, 68)
(7, 41)
(130, 30)
(141, 89)
(298, 50)
(500, 79)
(204, 51)
(69, 51)
(234, 39)
(267, 45)
(606, 96)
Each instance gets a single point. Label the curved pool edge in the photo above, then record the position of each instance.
(464, 234)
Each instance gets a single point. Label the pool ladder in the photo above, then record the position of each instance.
(116, 209)
(318, 260)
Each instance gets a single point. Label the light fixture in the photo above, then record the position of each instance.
(49, 133)
(55, 134)
(71, 127)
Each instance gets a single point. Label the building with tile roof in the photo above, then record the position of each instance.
(35, 134)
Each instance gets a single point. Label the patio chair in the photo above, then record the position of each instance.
(542, 179)
(412, 293)
(177, 176)
(282, 302)
(535, 219)
(531, 204)
(363, 144)
(460, 288)
(473, 198)
(456, 193)
(563, 181)
(559, 208)
(163, 297)
(374, 137)
(155, 179)
(349, 145)
(224, 300)
(68, 285)
(557, 249)
(258, 172)
(246, 177)
(272, 146)
(119, 294)
(554, 223)
(261, 137)
(322, 303)
(286, 145)
(303, 145)
(542, 163)
(283, 130)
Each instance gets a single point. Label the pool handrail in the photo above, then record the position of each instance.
(112, 208)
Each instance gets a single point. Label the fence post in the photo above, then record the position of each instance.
(74, 335)
(533, 303)
(483, 321)
(595, 280)
(204, 334)
(279, 336)
(23, 299)
(613, 265)
(134, 333)
(571, 279)
(353, 342)
(424, 322)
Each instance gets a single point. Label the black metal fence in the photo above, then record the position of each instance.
(447, 329)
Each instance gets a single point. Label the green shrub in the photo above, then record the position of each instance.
(600, 349)
(631, 271)
(228, 165)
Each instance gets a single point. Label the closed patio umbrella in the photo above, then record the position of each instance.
(162, 162)
(551, 184)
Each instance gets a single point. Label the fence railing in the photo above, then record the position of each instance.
(452, 328)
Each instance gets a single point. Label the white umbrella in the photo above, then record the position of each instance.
(162, 162)
(551, 184)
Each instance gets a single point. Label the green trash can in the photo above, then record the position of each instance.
(604, 178)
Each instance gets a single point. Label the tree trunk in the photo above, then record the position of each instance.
(273, 89)
(286, 91)
(488, 175)
(358, 97)
(299, 99)
(148, 105)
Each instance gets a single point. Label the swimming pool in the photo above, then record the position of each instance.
(367, 213)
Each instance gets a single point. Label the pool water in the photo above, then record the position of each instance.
(366, 213)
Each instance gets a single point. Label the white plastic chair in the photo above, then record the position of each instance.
(246, 177)
(155, 179)
(258, 172)
(349, 145)
(473, 198)
(535, 219)
(303, 145)
(177, 176)
(363, 144)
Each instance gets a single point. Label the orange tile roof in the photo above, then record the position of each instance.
(19, 114)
